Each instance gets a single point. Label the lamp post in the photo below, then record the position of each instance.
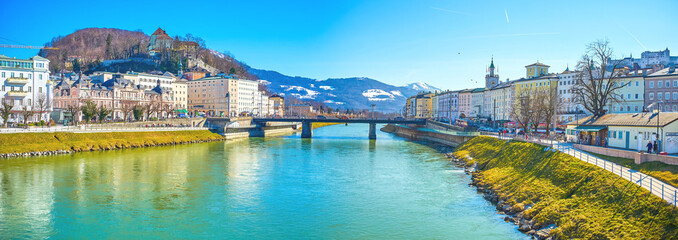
(576, 116)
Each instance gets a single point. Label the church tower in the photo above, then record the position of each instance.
(491, 79)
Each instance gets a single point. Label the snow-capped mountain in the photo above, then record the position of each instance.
(420, 86)
(344, 93)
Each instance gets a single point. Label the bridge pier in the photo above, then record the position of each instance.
(373, 131)
(306, 129)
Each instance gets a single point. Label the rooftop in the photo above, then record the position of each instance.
(629, 119)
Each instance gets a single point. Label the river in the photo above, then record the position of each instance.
(338, 185)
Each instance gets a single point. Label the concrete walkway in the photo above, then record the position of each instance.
(658, 188)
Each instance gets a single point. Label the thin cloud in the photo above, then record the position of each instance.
(450, 11)
(513, 35)
(506, 12)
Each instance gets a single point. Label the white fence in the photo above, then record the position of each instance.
(658, 188)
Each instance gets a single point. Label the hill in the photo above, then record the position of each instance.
(90, 46)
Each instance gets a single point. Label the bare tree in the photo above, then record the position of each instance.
(41, 105)
(594, 87)
(167, 109)
(127, 109)
(74, 110)
(526, 110)
(26, 113)
(546, 102)
(6, 110)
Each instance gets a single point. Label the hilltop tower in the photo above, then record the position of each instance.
(491, 79)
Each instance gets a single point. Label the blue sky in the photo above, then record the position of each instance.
(444, 43)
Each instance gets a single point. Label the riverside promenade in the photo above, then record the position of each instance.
(658, 188)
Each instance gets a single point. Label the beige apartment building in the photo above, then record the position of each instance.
(223, 96)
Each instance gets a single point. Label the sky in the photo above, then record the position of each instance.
(447, 44)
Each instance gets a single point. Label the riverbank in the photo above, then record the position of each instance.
(548, 193)
(38, 144)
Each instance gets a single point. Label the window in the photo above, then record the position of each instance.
(3, 74)
(636, 83)
(636, 96)
(39, 89)
(614, 134)
(651, 84)
(629, 96)
(675, 83)
(628, 108)
(29, 88)
(651, 96)
(660, 84)
(667, 95)
(40, 76)
(29, 102)
(30, 75)
(675, 95)
(668, 84)
(636, 108)
(659, 96)
(675, 108)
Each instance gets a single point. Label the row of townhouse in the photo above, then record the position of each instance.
(28, 87)
(638, 89)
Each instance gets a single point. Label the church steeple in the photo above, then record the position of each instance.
(491, 79)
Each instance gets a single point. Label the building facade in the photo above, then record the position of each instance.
(226, 96)
(26, 85)
(661, 88)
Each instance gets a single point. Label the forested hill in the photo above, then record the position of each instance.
(90, 46)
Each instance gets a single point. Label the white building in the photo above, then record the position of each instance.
(25, 82)
(477, 102)
(226, 96)
(501, 102)
(447, 105)
(145, 80)
(568, 106)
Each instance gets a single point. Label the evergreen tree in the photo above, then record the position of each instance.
(232, 71)
(76, 65)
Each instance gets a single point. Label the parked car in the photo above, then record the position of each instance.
(321, 117)
(344, 118)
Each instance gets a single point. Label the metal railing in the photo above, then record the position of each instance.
(658, 188)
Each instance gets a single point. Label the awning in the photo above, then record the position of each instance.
(590, 128)
(181, 110)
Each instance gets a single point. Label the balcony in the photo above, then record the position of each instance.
(17, 80)
(17, 94)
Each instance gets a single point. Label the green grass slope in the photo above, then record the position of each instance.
(582, 200)
(41, 142)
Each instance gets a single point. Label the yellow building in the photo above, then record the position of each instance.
(536, 70)
(420, 105)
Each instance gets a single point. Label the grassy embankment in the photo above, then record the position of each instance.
(44, 142)
(662, 171)
(582, 200)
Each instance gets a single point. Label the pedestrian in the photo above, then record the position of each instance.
(649, 146)
(656, 147)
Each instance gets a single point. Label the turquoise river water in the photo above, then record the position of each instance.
(338, 185)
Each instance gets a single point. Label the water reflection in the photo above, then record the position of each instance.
(336, 185)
